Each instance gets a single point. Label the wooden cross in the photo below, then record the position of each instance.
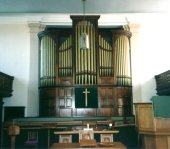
(86, 93)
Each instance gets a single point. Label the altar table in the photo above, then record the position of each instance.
(95, 131)
(117, 145)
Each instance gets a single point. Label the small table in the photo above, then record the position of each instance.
(117, 145)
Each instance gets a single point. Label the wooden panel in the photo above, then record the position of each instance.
(65, 81)
(6, 83)
(106, 80)
(86, 112)
(48, 102)
(162, 124)
(149, 142)
(65, 112)
(144, 117)
(65, 97)
(117, 145)
(106, 96)
(168, 142)
(153, 141)
(105, 112)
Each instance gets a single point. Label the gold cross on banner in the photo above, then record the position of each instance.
(86, 92)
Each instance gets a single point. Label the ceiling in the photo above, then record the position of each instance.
(47, 10)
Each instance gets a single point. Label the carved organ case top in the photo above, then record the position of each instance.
(85, 79)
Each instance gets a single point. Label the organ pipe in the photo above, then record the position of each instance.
(122, 58)
(65, 58)
(47, 61)
(105, 57)
(85, 58)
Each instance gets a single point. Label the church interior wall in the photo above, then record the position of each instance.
(150, 51)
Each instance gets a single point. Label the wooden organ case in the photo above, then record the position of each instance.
(95, 81)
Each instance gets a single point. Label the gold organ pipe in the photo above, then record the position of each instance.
(47, 72)
(64, 60)
(42, 62)
(117, 60)
(94, 37)
(77, 57)
(119, 57)
(91, 53)
(85, 55)
(106, 47)
(46, 57)
(63, 73)
(88, 54)
(45, 63)
(61, 57)
(123, 60)
(124, 57)
(100, 55)
(65, 51)
(82, 61)
(120, 60)
(88, 51)
(126, 62)
(68, 56)
(61, 60)
(110, 60)
(93, 57)
(59, 63)
(50, 62)
(65, 57)
(85, 59)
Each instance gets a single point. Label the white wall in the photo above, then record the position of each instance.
(150, 55)
(14, 60)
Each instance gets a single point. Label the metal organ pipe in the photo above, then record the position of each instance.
(47, 61)
(122, 60)
(85, 58)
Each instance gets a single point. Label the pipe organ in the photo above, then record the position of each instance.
(91, 81)
(122, 64)
(85, 58)
(48, 60)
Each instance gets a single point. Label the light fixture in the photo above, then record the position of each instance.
(84, 39)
